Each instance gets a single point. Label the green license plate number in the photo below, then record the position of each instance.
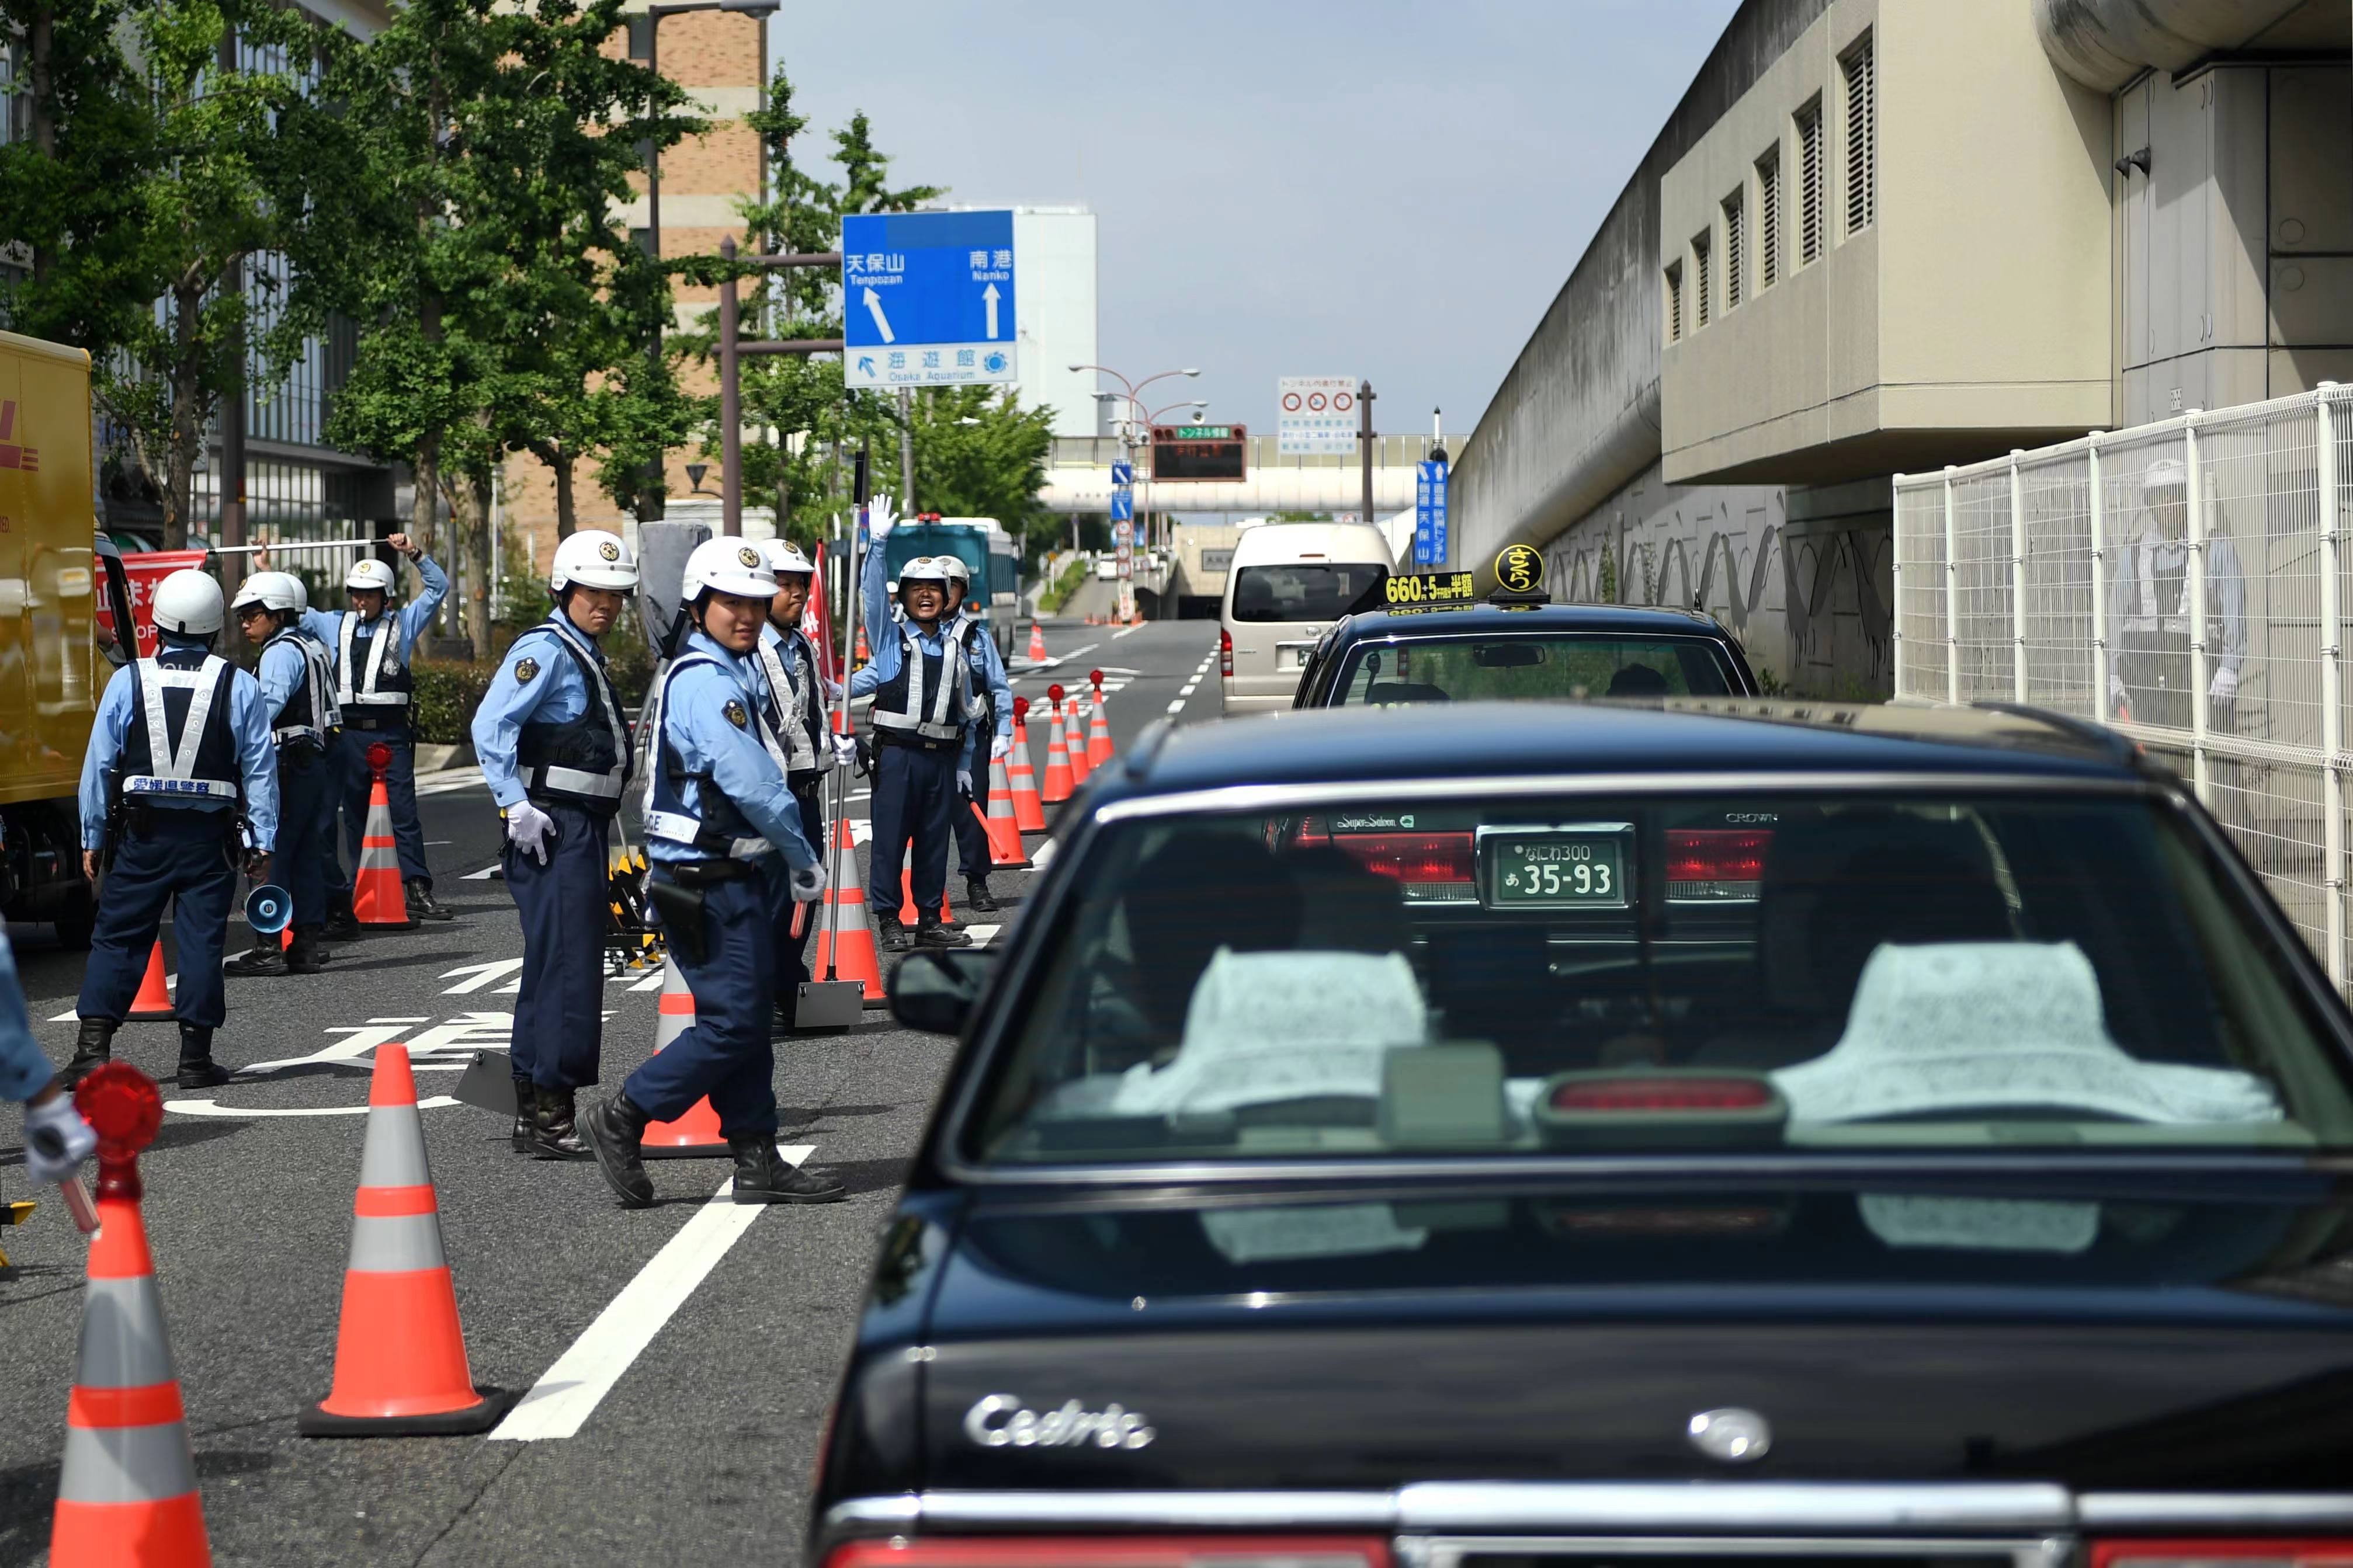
(1556, 870)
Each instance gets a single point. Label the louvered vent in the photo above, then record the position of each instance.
(1861, 136)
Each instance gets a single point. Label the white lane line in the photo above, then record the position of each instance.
(651, 983)
(981, 934)
(1177, 706)
(569, 1392)
(1042, 855)
(485, 875)
(1189, 688)
(1130, 632)
(214, 1108)
(450, 780)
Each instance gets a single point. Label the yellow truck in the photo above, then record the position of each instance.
(63, 593)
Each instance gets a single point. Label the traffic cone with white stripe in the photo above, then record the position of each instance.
(400, 1355)
(1037, 642)
(1098, 730)
(845, 943)
(154, 1003)
(127, 1488)
(1059, 787)
(1005, 851)
(377, 896)
(1074, 741)
(696, 1134)
(1028, 812)
(908, 914)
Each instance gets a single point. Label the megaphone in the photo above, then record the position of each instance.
(268, 909)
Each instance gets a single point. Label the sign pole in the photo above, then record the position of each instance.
(906, 451)
(1364, 441)
(730, 410)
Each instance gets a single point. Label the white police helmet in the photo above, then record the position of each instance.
(923, 569)
(785, 556)
(273, 591)
(594, 559)
(953, 568)
(727, 566)
(188, 603)
(2165, 474)
(369, 572)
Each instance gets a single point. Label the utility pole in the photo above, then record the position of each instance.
(1364, 442)
(906, 449)
(730, 403)
(231, 479)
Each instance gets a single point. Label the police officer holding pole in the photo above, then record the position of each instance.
(178, 789)
(797, 694)
(922, 690)
(298, 689)
(730, 859)
(991, 707)
(554, 749)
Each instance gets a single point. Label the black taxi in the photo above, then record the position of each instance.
(1435, 640)
(1713, 1131)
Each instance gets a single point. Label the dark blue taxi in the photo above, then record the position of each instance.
(1482, 652)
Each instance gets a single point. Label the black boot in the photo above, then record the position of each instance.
(523, 1132)
(977, 897)
(93, 1048)
(931, 931)
(554, 1132)
(890, 935)
(762, 1176)
(615, 1129)
(306, 956)
(421, 904)
(197, 1068)
(267, 956)
(342, 925)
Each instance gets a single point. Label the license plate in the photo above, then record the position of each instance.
(1580, 866)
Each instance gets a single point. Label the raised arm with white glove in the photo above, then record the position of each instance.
(880, 519)
(531, 830)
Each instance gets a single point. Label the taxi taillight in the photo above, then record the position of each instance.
(1715, 864)
(1410, 858)
(2190, 1553)
(1117, 1552)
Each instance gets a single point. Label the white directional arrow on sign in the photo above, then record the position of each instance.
(881, 321)
(991, 296)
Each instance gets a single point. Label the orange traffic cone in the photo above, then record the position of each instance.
(1074, 741)
(1037, 642)
(844, 944)
(127, 1488)
(861, 655)
(1098, 730)
(1028, 812)
(696, 1134)
(400, 1355)
(377, 896)
(1058, 787)
(1005, 851)
(154, 1003)
(908, 914)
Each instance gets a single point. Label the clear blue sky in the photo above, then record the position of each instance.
(1299, 187)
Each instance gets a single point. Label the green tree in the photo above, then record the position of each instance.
(979, 454)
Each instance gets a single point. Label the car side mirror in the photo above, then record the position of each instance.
(936, 991)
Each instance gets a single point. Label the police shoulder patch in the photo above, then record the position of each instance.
(525, 668)
(735, 714)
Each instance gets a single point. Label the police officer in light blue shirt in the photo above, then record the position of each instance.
(991, 724)
(179, 786)
(730, 859)
(298, 692)
(554, 749)
(792, 680)
(374, 688)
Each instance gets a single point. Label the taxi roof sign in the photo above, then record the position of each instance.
(1413, 591)
(1520, 576)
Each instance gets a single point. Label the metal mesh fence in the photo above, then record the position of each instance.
(2173, 581)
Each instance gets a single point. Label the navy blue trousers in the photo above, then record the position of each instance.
(972, 838)
(304, 864)
(559, 1017)
(727, 1053)
(183, 859)
(792, 951)
(915, 801)
(354, 784)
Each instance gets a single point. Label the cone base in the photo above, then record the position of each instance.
(489, 1410)
(150, 1015)
(165, 1534)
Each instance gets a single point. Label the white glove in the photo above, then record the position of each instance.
(1001, 748)
(2225, 686)
(529, 830)
(808, 884)
(845, 749)
(880, 519)
(964, 781)
(57, 1140)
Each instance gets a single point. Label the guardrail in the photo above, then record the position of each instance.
(2182, 581)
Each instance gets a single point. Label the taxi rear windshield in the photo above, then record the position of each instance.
(1594, 975)
(1308, 590)
(1508, 666)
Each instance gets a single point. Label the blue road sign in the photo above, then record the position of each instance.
(1123, 503)
(1123, 472)
(927, 298)
(1429, 516)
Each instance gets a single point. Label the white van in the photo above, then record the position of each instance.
(1289, 582)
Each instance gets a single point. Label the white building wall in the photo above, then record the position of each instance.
(1055, 313)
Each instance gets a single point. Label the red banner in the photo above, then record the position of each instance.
(145, 569)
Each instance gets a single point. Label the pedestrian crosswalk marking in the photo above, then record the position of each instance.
(483, 973)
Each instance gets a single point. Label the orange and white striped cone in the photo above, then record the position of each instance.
(377, 896)
(1037, 642)
(400, 1355)
(1058, 785)
(127, 1488)
(695, 1135)
(1005, 851)
(1029, 811)
(1074, 742)
(861, 657)
(844, 944)
(154, 1003)
(1098, 750)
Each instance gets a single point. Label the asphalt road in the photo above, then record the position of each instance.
(700, 1450)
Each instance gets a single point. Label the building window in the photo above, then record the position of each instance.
(641, 38)
(1862, 135)
(1810, 183)
(1735, 223)
(1768, 219)
(1675, 281)
(1702, 279)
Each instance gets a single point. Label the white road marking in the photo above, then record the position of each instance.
(651, 983)
(1177, 706)
(568, 1393)
(1130, 632)
(68, 1017)
(1042, 856)
(485, 875)
(483, 973)
(982, 934)
(214, 1108)
(1189, 688)
(449, 780)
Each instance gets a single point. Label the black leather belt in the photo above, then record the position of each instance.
(912, 743)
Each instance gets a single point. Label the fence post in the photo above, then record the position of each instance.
(2332, 684)
(2017, 577)
(2099, 600)
(2203, 771)
(1896, 586)
(1952, 597)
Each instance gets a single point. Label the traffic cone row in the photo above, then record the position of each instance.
(377, 896)
(845, 890)
(1005, 851)
(1028, 812)
(1058, 785)
(695, 1135)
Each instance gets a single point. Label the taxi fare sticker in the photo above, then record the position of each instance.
(1429, 590)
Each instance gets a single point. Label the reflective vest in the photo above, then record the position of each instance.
(379, 697)
(583, 762)
(930, 696)
(982, 702)
(310, 711)
(2157, 603)
(180, 743)
(717, 829)
(800, 716)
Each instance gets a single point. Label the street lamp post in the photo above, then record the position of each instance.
(1135, 408)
